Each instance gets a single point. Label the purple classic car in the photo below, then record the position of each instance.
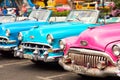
(95, 52)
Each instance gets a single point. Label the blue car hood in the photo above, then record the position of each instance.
(61, 30)
(64, 26)
(19, 26)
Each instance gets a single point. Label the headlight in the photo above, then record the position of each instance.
(7, 32)
(62, 44)
(20, 36)
(116, 50)
(49, 38)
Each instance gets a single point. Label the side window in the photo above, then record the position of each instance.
(92, 5)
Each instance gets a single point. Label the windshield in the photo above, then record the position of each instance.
(40, 15)
(5, 19)
(84, 16)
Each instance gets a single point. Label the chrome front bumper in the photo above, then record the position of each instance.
(95, 72)
(45, 58)
(7, 48)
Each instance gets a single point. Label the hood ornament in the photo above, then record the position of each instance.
(32, 37)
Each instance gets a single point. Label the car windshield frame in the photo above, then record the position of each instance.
(7, 18)
(40, 15)
(84, 16)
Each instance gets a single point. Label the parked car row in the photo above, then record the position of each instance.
(84, 43)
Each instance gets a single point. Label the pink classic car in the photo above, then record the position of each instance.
(95, 52)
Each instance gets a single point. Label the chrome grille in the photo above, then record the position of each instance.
(33, 46)
(84, 59)
(84, 56)
(3, 38)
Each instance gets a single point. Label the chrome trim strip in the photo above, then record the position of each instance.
(24, 47)
(8, 41)
(7, 48)
(4, 37)
(36, 43)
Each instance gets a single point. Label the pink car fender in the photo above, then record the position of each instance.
(69, 41)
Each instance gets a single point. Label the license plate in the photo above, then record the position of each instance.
(27, 56)
(78, 69)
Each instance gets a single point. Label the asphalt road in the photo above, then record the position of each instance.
(19, 69)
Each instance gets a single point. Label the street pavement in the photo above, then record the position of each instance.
(21, 69)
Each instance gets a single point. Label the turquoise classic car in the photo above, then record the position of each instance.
(9, 31)
(42, 43)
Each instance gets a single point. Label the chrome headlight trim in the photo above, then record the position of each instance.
(20, 36)
(7, 32)
(116, 49)
(62, 44)
(50, 38)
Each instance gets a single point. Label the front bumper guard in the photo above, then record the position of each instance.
(7, 48)
(36, 57)
(108, 71)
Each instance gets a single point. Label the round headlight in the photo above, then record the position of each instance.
(116, 50)
(20, 36)
(62, 44)
(49, 38)
(7, 32)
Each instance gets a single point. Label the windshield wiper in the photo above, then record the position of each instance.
(78, 19)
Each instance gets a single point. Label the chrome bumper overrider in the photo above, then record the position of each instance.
(108, 71)
(45, 57)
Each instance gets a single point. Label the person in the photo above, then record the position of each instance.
(97, 5)
(17, 11)
(24, 10)
(4, 11)
(115, 12)
(36, 7)
(111, 5)
(1, 11)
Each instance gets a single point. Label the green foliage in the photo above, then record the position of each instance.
(117, 2)
(63, 13)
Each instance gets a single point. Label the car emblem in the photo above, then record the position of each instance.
(84, 43)
(32, 37)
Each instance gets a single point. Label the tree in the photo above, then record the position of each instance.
(117, 3)
(19, 3)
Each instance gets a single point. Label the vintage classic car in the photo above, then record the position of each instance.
(11, 18)
(95, 52)
(42, 43)
(9, 31)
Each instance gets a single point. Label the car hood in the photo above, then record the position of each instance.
(57, 30)
(100, 37)
(64, 27)
(19, 26)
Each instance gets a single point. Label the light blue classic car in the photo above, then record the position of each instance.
(9, 31)
(42, 43)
